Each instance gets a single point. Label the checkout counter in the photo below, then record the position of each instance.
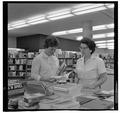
(62, 96)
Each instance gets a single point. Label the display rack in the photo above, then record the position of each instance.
(16, 71)
(109, 62)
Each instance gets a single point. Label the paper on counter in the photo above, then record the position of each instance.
(110, 99)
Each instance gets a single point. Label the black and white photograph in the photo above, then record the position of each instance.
(60, 56)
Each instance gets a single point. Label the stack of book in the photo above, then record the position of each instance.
(70, 89)
(59, 102)
(30, 101)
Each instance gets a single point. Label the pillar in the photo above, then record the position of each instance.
(87, 29)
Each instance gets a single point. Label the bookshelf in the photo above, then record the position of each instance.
(16, 71)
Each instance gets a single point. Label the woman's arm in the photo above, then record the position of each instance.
(102, 78)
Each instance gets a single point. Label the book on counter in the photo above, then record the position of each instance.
(71, 89)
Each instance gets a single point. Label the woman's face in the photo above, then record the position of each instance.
(51, 50)
(85, 49)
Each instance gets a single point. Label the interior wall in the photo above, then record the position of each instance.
(35, 42)
(12, 42)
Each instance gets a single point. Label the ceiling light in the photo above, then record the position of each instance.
(75, 30)
(103, 35)
(111, 47)
(110, 25)
(17, 24)
(104, 41)
(101, 47)
(79, 38)
(110, 40)
(38, 22)
(105, 44)
(88, 9)
(60, 17)
(110, 34)
(15, 49)
(97, 42)
(109, 5)
(59, 33)
(79, 30)
(37, 19)
(59, 14)
(102, 27)
(99, 36)
(20, 26)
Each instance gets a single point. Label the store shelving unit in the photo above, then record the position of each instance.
(16, 71)
(109, 62)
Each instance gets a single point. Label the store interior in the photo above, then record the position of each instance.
(30, 23)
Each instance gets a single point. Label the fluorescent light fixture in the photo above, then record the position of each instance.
(25, 25)
(110, 41)
(60, 17)
(89, 9)
(105, 44)
(59, 33)
(110, 34)
(75, 31)
(104, 41)
(15, 49)
(110, 25)
(38, 22)
(102, 27)
(110, 47)
(37, 19)
(79, 38)
(109, 5)
(79, 30)
(99, 36)
(59, 14)
(103, 35)
(17, 23)
(102, 47)
(83, 7)
(98, 42)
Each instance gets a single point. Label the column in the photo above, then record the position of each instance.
(87, 29)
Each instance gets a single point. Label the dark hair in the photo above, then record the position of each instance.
(51, 41)
(89, 42)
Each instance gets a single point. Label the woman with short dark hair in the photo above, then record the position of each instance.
(90, 69)
(46, 63)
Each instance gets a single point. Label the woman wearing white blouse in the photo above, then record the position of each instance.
(90, 69)
(46, 64)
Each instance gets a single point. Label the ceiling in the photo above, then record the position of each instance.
(17, 11)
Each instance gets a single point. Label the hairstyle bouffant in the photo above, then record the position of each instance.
(51, 41)
(89, 42)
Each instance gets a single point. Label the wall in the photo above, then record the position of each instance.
(12, 42)
(35, 42)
